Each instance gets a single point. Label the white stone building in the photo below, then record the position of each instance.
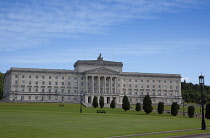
(88, 79)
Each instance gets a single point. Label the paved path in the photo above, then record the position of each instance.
(201, 135)
(162, 132)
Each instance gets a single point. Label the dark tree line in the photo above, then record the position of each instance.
(191, 92)
(1, 85)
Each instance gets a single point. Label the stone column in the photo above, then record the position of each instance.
(115, 84)
(110, 84)
(104, 84)
(92, 84)
(86, 83)
(99, 84)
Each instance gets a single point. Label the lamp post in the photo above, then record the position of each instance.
(81, 94)
(183, 109)
(201, 83)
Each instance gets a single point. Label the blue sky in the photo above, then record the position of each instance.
(149, 36)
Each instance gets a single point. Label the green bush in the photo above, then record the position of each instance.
(112, 105)
(191, 111)
(138, 107)
(207, 115)
(101, 101)
(174, 108)
(147, 104)
(160, 107)
(126, 103)
(95, 102)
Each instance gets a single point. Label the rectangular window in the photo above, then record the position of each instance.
(43, 77)
(164, 81)
(159, 81)
(56, 90)
(135, 80)
(69, 83)
(147, 86)
(42, 90)
(16, 76)
(69, 78)
(56, 83)
(23, 76)
(62, 90)
(147, 81)
(142, 86)
(171, 87)
(129, 85)
(165, 87)
(81, 78)
(177, 87)
(69, 91)
(23, 82)
(171, 82)
(29, 82)
(16, 82)
(29, 89)
(22, 89)
(36, 98)
(29, 97)
(37, 77)
(49, 97)
(36, 89)
(43, 82)
(63, 83)
(135, 85)
(153, 86)
(142, 80)
(29, 76)
(159, 86)
(49, 82)
(36, 82)
(62, 78)
(75, 78)
(81, 83)
(49, 90)
(123, 85)
(56, 77)
(129, 80)
(49, 77)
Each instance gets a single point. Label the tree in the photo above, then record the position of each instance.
(112, 105)
(191, 111)
(101, 101)
(1, 85)
(95, 102)
(207, 115)
(138, 107)
(147, 104)
(160, 107)
(174, 108)
(125, 103)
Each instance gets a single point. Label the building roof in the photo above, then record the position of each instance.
(98, 62)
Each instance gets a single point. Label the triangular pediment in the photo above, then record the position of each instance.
(102, 70)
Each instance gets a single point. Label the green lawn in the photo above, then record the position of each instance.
(50, 120)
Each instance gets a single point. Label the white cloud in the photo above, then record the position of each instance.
(30, 23)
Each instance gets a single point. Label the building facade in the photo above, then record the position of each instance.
(88, 79)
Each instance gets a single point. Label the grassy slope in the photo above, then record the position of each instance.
(49, 120)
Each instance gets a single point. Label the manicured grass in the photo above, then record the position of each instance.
(50, 120)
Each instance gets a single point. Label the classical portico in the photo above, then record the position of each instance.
(100, 81)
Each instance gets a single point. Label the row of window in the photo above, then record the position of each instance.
(159, 93)
(49, 77)
(45, 90)
(152, 81)
(42, 98)
(151, 86)
(75, 78)
(46, 83)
